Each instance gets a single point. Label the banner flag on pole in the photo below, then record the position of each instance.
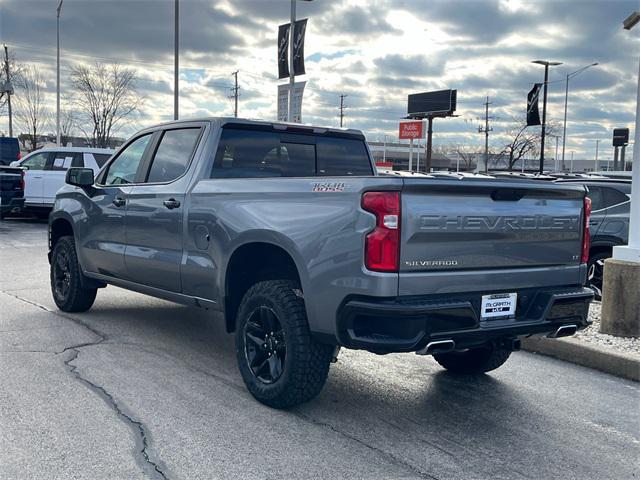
(283, 50)
(283, 102)
(299, 30)
(533, 114)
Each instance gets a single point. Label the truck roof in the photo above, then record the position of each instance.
(287, 126)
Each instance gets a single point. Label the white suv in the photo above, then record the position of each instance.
(48, 167)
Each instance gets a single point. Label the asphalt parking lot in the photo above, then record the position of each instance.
(141, 388)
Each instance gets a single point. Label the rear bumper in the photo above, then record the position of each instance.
(406, 324)
(8, 205)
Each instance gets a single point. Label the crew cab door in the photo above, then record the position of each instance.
(104, 242)
(156, 207)
(54, 175)
(34, 177)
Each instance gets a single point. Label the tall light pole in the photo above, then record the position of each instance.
(566, 97)
(292, 77)
(546, 64)
(176, 56)
(58, 74)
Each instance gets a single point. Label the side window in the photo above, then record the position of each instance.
(124, 168)
(253, 154)
(37, 161)
(597, 200)
(342, 156)
(173, 154)
(613, 197)
(63, 160)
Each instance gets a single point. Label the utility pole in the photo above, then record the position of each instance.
(342, 107)
(176, 55)
(236, 94)
(486, 131)
(58, 74)
(6, 71)
(597, 166)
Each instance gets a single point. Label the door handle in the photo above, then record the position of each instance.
(119, 202)
(171, 203)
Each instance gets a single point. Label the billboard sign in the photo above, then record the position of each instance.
(620, 137)
(411, 130)
(438, 103)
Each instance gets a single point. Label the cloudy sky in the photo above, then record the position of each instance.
(375, 52)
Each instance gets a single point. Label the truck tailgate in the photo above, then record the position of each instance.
(475, 224)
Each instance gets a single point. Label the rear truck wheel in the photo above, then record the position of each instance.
(474, 360)
(66, 285)
(280, 363)
(595, 271)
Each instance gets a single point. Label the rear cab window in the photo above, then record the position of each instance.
(173, 154)
(247, 153)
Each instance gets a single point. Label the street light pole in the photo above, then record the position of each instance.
(176, 58)
(58, 74)
(291, 74)
(544, 107)
(566, 100)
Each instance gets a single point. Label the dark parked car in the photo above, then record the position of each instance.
(9, 150)
(11, 190)
(609, 224)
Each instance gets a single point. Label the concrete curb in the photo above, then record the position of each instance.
(586, 354)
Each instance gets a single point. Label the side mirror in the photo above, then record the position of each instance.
(80, 177)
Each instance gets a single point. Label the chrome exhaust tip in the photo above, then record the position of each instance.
(437, 346)
(564, 331)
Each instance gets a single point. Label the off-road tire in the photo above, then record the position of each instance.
(75, 298)
(473, 360)
(306, 362)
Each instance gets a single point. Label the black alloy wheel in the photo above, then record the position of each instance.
(265, 345)
(62, 274)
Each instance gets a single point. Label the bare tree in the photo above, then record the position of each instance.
(522, 142)
(31, 113)
(67, 125)
(106, 98)
(467, 154)
(14, 72)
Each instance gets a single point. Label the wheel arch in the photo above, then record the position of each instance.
(252, 262)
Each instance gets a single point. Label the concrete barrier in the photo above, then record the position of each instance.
(587, 355)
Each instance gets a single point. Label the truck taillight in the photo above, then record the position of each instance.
(382, 244)
(586, 234)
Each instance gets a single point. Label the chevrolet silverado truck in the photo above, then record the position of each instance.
(290, 234)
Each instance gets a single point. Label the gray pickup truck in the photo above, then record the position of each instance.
(290, 234)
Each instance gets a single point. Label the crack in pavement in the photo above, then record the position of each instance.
(151, 469)
(389, 456)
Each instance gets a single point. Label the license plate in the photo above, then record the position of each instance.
(498, 305)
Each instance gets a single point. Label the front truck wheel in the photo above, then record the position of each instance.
(281, 364)
(474, 360)
(66, 284)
